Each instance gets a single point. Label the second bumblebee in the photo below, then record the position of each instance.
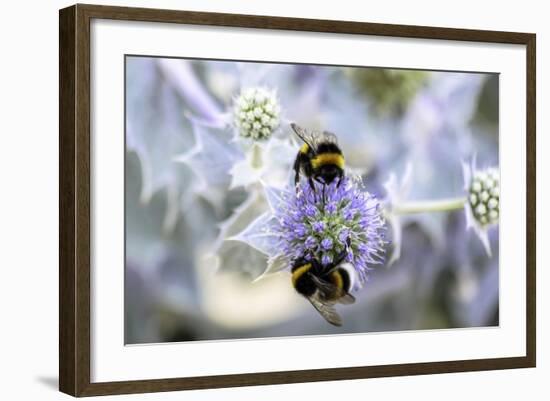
(324, 286)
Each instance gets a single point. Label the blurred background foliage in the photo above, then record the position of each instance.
(185, 281)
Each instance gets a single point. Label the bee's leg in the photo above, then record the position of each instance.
(323, 194)
(312, 186)
(340, 258)
(340, 176)
(336, 263)
(297, 170)
(342, 255)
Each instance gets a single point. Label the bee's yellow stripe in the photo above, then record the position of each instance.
(328, 158)
(296, 274)
(304, 148)
(337, 279)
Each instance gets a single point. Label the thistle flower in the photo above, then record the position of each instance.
(256, 113)
(390, 90)
(484, 193)
(349, 220)
(482, 206)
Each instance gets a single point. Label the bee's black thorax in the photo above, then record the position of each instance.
(328, 147)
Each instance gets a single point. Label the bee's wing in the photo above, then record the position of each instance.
(326, 310)
(346, 299)
(328, 136)
(309, 137)
(329, 290)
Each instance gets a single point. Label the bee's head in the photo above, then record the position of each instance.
(328, 173)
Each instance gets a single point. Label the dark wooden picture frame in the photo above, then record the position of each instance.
(74, 199)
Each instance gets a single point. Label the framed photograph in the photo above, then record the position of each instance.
(249, 200)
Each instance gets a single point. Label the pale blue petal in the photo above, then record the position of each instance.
(243, 174)
(212, 157)
(259, 235)
(181, 75)
(275, 264)
(276, 198)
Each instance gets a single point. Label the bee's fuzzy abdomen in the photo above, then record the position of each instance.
(347, 272)
(328, 159)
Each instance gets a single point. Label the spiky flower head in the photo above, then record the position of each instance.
(482, 206)
(350, 219)
(484, 196)
(256, 113)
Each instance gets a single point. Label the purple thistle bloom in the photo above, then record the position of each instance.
(326, 244)
(300, 230)
(363, 248)
(331, 208)
(348, 214)
(310, 210)
(350, 220)
(326, 259)
(311, 242)
(318, 226)
(343, 235)
(349, 256)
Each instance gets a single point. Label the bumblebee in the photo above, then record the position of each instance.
(320, 158)
(324, 286)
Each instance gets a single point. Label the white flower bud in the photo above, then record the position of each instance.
(484, 197)
(248, 95)
(242, 103)
(257, 113)
(481, 209)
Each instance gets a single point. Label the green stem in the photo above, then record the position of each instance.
(443, 205)
(256, 160)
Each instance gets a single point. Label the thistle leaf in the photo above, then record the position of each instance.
(275, 264)
(212, 157)
(156, 128)
(258, 234)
